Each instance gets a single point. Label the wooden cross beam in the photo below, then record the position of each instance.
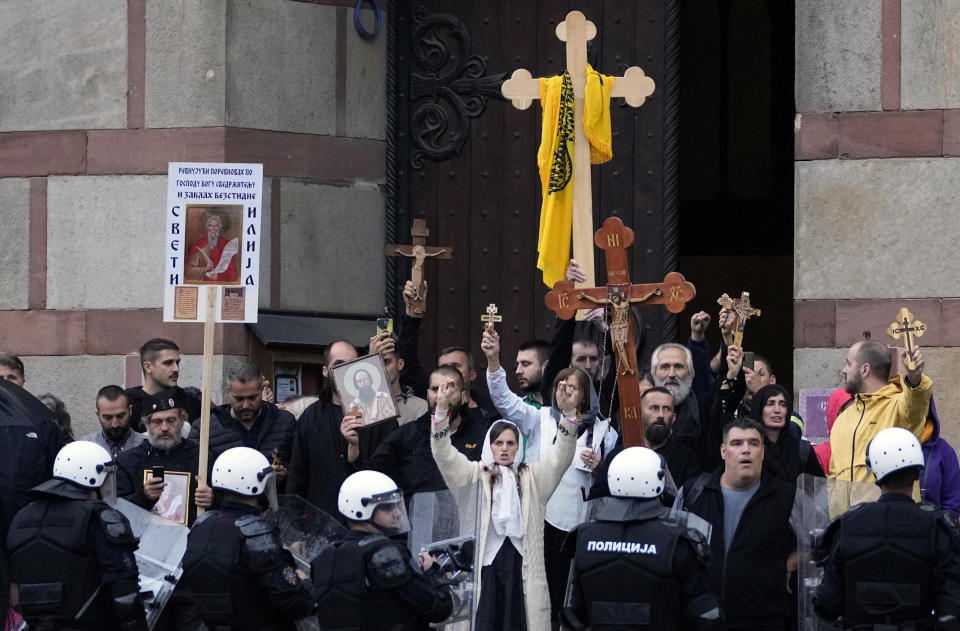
(418, 251)
(617, 295)
(490, 317)
(743, 310)
(634, 87)
(910, 328)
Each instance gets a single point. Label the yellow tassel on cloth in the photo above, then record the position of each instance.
(555, 161)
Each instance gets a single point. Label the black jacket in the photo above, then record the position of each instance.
(405, 454)
(135, 464)
(30, 442)
(184, 399)
(318, 463)
(751, 578)
(276, 431)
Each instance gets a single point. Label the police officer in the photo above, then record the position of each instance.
(891, 563)
(369, 581)
(636, 566)
(239, 574)
(72, 554)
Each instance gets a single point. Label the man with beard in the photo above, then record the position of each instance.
(372, 404)
(879, 402)
(672, 367)
(205, 255)
(319, 463)
(160, 362)
(658, 416)
(113, 412)
(532, 359)
(405, 454)
(249, 421)
(165, 447)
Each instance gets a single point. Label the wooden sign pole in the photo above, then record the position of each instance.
(208, 328)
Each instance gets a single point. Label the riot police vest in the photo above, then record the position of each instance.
(347, 597)
(625, 574)
(888, 560)
(55, 564)
(216, 568)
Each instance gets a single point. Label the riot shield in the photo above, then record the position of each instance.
(818, 502)
(162, 546)
(446, 524)
(305, 531)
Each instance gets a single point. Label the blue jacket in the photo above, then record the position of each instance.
(940, 480)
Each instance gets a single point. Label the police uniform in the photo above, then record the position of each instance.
(73, 559)
(370, 582)
(633, 568)
(240, 576)
(890, 562)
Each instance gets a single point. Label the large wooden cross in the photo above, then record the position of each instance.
(418, 251)
(743, 311)
(617, 295)
(634, 87)
(910, 328)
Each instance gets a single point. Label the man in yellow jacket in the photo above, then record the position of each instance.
(879, 402)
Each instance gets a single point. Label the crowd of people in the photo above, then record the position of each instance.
(696, 529)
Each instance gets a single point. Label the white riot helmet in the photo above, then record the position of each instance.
(364, 491)
(245, 471)
(891, 450)
(84, 463)
(636, 472)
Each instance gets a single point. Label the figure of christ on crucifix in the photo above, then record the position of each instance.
(418, 251)
(620, 303)
(522, 89)
(673, 293)
(743, 311)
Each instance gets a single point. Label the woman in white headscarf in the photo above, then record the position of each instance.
(513, 586)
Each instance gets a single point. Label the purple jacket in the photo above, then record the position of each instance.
(940, 480)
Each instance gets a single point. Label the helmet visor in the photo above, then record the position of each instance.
(389, 513)
(269, 480)
(108, 490)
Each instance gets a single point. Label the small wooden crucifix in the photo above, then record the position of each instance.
(418, 251)
(618, 294)
(490, 318)
(909, 328)
(743, 311)
(634, 87)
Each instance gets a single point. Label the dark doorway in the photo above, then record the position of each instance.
(736, 165)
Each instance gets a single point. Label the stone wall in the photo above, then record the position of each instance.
(877, 142)
(89, 120)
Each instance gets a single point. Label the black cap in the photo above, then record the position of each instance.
(161, 402)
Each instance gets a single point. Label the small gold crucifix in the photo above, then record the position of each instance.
(490, 318)
(743, 310)
(909, 328)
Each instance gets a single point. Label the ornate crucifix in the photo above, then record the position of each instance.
(909, 328)
(490, 317)
(418, 251)
(743, 310)
(634, 87)
(618, 294)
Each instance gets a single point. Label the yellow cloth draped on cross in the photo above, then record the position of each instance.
(555, 159)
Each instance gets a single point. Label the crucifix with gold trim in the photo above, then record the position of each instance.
(618, 295)
(909, 328)
(634, 87)
(743, 311)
